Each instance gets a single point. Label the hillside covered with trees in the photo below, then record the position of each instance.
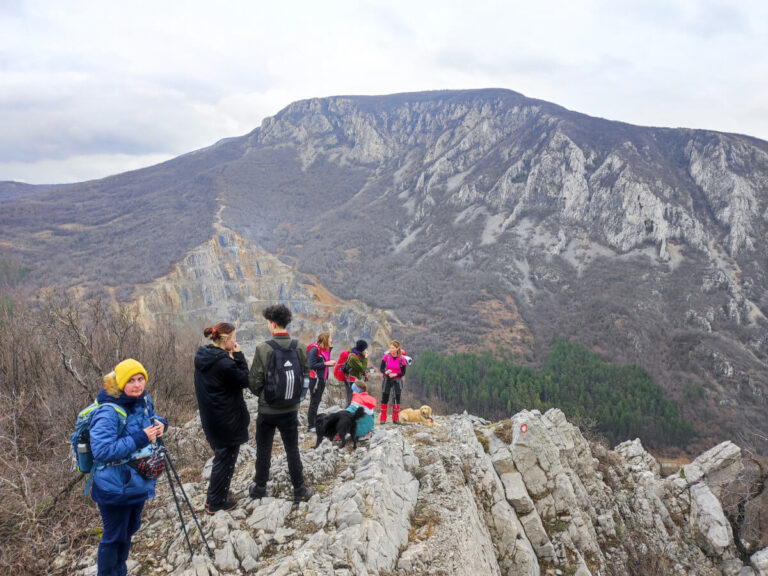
(623, 400)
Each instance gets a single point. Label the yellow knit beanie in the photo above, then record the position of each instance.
(126, 370)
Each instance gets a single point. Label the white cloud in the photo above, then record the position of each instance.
(88, 87)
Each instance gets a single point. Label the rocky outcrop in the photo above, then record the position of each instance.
(230, 279)
(526, 496)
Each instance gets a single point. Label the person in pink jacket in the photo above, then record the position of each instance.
(392, 367)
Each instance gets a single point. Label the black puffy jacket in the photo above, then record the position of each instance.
(219, 384)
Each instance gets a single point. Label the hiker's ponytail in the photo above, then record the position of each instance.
(216, 332)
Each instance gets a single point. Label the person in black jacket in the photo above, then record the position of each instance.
(319, 361)
(221, 374)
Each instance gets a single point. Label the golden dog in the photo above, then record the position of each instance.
(421, 416)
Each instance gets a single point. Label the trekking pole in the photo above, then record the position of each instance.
(178, 508)
(186, 498)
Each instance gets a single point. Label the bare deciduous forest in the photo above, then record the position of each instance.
(53, 356)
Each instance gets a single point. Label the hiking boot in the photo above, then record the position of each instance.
(227, 506)
(257, 492)
(302, 494)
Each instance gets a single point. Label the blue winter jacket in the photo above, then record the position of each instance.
(114, 481)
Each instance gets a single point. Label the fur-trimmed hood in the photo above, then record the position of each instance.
(111, 387)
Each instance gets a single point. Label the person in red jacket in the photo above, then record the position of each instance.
(351, 366)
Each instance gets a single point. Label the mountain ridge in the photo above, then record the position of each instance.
(647, 244)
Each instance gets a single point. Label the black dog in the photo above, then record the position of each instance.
(341, 423)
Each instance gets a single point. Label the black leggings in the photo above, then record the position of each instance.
(316, 387)
(389, 385)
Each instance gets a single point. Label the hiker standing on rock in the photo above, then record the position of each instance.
(319, 360)
(119, 437)
(277, 375)
(221, 374)
(393, 366)
(351, 366)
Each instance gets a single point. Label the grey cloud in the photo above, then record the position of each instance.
(101, 124)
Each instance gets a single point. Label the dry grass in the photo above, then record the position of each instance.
(483, 439)
(505, 431)
(423, 524)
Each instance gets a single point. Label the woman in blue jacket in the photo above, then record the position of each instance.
(121, 433)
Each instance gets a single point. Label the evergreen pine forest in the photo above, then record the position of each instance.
(622, 401)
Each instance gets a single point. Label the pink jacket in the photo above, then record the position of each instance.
(394, 363)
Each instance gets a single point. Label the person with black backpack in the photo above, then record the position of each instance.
(277, 376)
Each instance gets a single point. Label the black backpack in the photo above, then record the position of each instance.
(285, 377)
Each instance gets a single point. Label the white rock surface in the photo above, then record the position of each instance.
(523, 497)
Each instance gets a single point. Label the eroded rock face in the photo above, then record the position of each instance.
(526, 496)
(717, 467)
(232, 279)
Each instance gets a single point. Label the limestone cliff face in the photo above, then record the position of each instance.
(509, 155)
(646, 243)
(526, 496)
(229, 279)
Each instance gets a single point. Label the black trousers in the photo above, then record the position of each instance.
(224, 460)
(391, 384)
(288, 425)
(348, 388)
(316, 389)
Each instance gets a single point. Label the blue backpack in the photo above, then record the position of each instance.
(81, 437)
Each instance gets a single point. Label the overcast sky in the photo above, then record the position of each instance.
(93, 88)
